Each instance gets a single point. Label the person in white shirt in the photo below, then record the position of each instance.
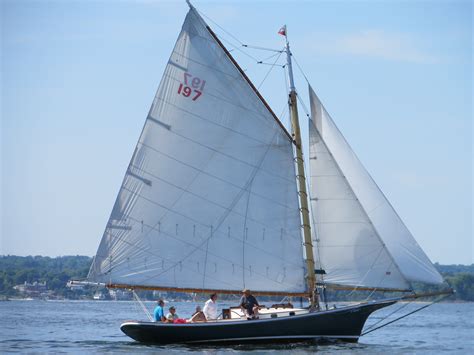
(210, 307)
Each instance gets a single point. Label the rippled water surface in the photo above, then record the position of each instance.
(93, 326)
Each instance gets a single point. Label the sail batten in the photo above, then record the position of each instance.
(362, 241)
(209, 200)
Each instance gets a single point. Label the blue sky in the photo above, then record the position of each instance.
(78, 78)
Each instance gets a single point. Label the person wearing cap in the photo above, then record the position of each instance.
(249, 304)
(158, 313)
(197, 316)
(210, 307)
(172, 315)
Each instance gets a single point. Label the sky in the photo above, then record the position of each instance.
(78, 78)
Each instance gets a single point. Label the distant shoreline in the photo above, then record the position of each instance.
(42, 277)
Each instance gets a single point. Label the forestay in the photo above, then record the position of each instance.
(209, 200)
(361, 239)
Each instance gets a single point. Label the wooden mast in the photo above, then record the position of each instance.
(303, 195)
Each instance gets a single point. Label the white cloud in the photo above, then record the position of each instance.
(370, 43)
(383, 45)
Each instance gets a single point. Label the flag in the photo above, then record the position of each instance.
(282, 31)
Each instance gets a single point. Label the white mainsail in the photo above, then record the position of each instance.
(361, 240)
(209, 200)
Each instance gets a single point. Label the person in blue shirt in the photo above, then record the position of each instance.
(158, 314)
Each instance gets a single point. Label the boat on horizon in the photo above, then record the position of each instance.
(215, 200)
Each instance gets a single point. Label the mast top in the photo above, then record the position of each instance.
(283, 31)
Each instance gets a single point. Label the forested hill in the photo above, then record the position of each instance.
(16, 270)
(56, 272)
(454, 269)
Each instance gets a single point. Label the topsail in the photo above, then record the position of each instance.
(209, 200)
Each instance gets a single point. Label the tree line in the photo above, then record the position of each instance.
(16, 270)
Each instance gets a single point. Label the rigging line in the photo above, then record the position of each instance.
(239, 41)
(286, 107)
(145, 310)
(371, 293)
(387, 316)
(245, 230)
(223, 29)
(263, 48)
(239, 49)
(301, 70)
(201, 171)
(284, 112)
(251, 85)
(269, 71)
(367, 272)
(305, 109)
(218, 97)
(241, 44)
(316, 229)
(270, 64)
(231, 35)
(406, 315)
(226, 40)
(136, 308)
(205, 263)
(272, 56)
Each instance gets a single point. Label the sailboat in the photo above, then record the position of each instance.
(215, 199)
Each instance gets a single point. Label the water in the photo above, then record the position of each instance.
(93, 326)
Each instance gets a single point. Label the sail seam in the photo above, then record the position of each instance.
(229, 156)
(215, 123)
(206, 173)
(118, 263)
(202, 197)
(147, 251)
(197, 247)
(228, 209)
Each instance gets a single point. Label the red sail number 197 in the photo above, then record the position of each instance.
(197, 86)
